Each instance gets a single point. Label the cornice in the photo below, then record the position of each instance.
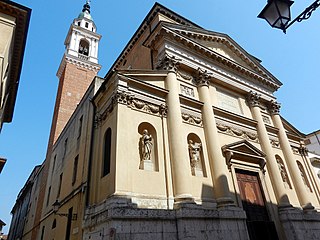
(142, 85)
(190, 102)
(78, 62)
(234, 117)
(85, 31)
(22, 18)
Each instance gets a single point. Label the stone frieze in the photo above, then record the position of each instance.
(128, 99)
(192, 119)
(237, 132)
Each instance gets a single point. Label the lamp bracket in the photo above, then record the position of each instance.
(74, 216)
(306, 14)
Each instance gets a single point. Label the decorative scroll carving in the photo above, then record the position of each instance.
(148, 107)
(184, 75)
(122, 97)
(126, 98)
(303, 149)
(253, 99)
(203, 78)
(274, 107)
(192, 119)
(169, 63)
(295, 151)
(187, 91)
(266, 119)
(237, 132)
(275, 143)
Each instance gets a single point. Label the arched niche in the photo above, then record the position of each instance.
(84, 47)
(196, 159)
(283, 172)
(148, 147)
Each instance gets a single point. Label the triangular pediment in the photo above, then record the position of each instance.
(225, 46)
(243, 153)
(244, 147)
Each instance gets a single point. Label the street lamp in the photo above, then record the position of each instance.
(56, 206)
(277, 13)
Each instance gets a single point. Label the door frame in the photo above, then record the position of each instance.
(243, 155)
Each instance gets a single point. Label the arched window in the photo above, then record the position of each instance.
(304, 176)
(195, 150)
(148, 147)
(84, 47)
(283, 172)
(107, 152)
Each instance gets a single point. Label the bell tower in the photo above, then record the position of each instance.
(78, 67)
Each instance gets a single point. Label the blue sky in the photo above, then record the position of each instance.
(293, 58)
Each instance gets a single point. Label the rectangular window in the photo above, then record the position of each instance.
(48, 196)
(75, 169)
(80, 127)
(54, 163)
(60, 183)
(65, 147)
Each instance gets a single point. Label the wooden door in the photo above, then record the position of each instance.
(258, 222)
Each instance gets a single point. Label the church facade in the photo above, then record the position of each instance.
(182, 139)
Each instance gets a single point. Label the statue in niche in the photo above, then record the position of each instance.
(283, 173)
(146, 144)
(194, 153)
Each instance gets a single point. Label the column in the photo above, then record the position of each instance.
(271, 162)
(218, 167)
(177, 143)
(298, 183)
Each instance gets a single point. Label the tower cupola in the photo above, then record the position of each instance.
(82, 41)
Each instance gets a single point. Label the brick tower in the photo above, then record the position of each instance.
(78, 67)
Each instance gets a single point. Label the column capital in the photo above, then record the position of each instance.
(303, 150)
(274, 107)
(253, 99)
(203, 78)
(169, 63)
